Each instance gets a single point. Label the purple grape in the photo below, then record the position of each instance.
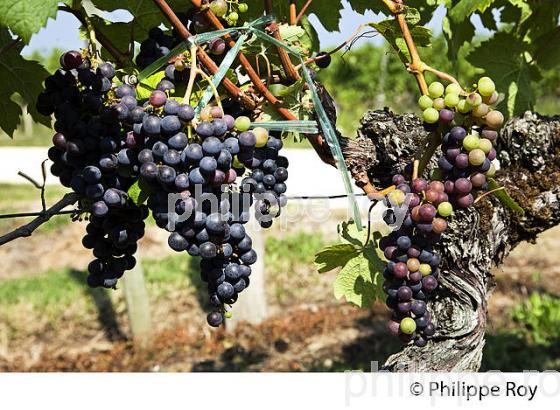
(465, 201)
(491, 155)
(429, 283)
(404, 293)
(463, 186)
(457, 133)
(446, 116)
(404, 307)
(449, 187)
(398, 179)
(390, 252)
(418, 185)
(427, 212)
(462, 161)
(400, 270)
(452, 153)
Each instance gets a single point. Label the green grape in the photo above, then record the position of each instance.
(439, 104)
(435, 89)
(430, 115)
(486, 86)
(425, 102)
(262, 136)
(453, 88)
(485, 145)
(474, 99)
(425, 269)
(494, 119)
(243, 7)
(480, 110)
(492, 171)
(471, 142)
(228, 315)
(451, 100)
(463, 107)
(242, 123)
(477, 157)
(397, 197)
(408, 325)
(219, 7)
(233, 17)
(445, 209)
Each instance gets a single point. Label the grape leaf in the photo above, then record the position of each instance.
(547, 52)
(359, 280)
(390, 30)
(465, 8)
(20, 76)
(456, 34)
(26, 17)
(502, 58)
(139, 192)
(147, 85)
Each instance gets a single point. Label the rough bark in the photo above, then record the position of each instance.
(478, 237)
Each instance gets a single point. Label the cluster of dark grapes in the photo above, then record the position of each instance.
(418, 210)
(91, 155)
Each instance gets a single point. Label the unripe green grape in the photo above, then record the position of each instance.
(494, 119)
(471, 142)
(474, 99)
(480, 110)
(439, 104)
(463, 107)
(453, 88)
(436, 89)
(408, 326)
(445, 209)
(477, 157)
(397, 197)
(262, 136)
(425, 102)
(492, 171)
(242, 123)
(228, 315)
(451, 100)
(486, 86)
(219, 7)
(243, 7)
(425, 269)
(485, 145)
(492, 99)
(430, 115)
(233, 17)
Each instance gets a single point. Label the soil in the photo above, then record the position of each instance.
(322, 335)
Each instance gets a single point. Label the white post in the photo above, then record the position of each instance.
(137, 304)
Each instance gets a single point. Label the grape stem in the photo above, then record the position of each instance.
(212, 86)
(192, 75)
(121, 59)
(287, 65)
(443, 75)
(204, 58)
(303, 10)
(488, 193)
(415, 166)
(44, 216)
(293, 13)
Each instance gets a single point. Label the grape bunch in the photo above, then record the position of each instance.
(469, 128)
(92, 155)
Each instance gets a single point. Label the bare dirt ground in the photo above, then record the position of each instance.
(307, 331)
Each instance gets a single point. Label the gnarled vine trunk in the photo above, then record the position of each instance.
(478, 237)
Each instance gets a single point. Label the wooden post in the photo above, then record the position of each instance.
(251, 306)
(137, 304)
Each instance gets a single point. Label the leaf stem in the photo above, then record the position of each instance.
(303, 10)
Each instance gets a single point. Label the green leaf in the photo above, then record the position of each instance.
(360, 279)
(335, 256)
(149, 84)
(465, 8)
(547, 52)
(26, 17)
(504, 197)
(502, 58)
(140, 191)
(19, 76)
(312, 38)
(456, 35)
(391, 31)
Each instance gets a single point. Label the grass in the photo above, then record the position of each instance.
(531, 341)
(16, 198)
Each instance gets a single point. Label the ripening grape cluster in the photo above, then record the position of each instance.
(469, 127)
(91, 155)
